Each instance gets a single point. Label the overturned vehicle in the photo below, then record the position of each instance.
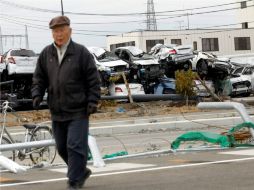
(144, 68)
(109, 65)
(202, 61)
(111, 70)
(173, 57)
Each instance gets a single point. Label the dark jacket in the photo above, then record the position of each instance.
(71, 85)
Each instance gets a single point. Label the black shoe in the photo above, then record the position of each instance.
(73, 186)
(88, 172)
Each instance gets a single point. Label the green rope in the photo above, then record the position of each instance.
(227, 140)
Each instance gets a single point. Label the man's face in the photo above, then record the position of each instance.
(61, 35)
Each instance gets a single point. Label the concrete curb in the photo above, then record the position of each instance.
(195, 121)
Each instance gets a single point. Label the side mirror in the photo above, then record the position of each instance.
(1, 59)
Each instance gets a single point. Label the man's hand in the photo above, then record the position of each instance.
(91, 108)
(36, 102)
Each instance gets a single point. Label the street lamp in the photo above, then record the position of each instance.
(62, 7)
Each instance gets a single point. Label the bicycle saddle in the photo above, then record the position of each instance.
(29, 126)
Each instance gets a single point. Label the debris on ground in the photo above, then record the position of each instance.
(108, 110)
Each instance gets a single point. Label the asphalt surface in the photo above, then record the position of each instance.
(192, 170)
(177, 171)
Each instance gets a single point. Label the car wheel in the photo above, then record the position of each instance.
(202, 68)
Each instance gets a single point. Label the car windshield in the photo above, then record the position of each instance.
(23, 53)
(107, 56)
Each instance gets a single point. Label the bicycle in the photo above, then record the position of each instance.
(33, 132)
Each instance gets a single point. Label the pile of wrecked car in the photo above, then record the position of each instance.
(154, 72)
(145, 73)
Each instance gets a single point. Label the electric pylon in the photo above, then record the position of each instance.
(151, 19)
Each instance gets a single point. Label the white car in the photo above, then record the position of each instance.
(105, 59)
(173, 57)
(142, 65)
(144, 68)
(242, 80)
(20, 61)
(177, 53)
(108, 64)
(121, 90)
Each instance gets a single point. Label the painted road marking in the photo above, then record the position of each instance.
(133, 171)
(110, 167)
(240, 152)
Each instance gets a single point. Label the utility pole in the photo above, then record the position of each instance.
(26, 36)
(62, 7)
(188, 21)
(1, 42)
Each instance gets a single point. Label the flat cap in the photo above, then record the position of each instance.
(59, 21)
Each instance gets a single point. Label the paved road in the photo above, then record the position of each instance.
(193, 170)
(228, 169)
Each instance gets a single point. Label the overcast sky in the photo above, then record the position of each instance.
(13, 18)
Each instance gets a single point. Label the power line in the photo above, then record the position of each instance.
(41, 27)
(138, 21)
(111, 14)
(80, 30)
(185, 34)
(200, 13)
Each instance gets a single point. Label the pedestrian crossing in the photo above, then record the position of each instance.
(110, 167)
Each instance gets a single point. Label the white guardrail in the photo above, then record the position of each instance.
(14, 167)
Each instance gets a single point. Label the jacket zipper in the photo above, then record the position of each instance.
(58, 82)
(58, 87)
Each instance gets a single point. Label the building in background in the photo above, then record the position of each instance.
(227, 41)
(218, 41)
(245, 15)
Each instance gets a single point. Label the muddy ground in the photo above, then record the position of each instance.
(107, 110)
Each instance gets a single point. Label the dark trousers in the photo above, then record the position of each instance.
(72, 144)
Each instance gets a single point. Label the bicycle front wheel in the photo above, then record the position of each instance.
(46, 153)
(10, 153)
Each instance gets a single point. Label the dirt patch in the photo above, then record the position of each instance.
(108, 110)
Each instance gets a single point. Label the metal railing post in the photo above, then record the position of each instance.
(228, 105)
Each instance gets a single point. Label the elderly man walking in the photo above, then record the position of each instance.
(68, 72)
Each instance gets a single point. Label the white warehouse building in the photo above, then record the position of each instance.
(218, 41)
(245, 15)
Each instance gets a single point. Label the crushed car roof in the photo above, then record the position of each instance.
(134, 50)
(97, 51)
